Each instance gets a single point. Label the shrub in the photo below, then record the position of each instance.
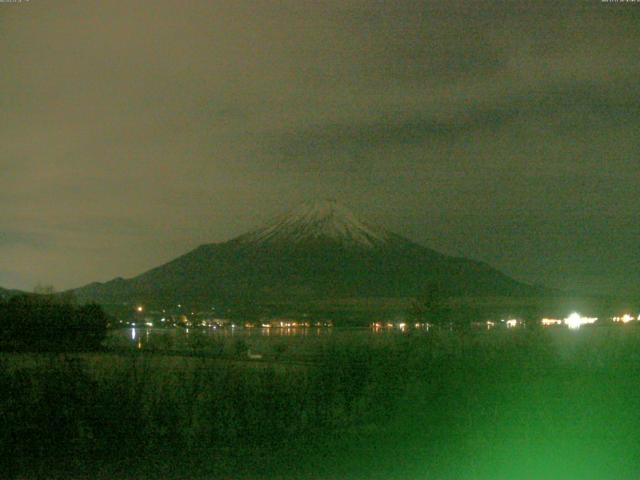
(50, 323)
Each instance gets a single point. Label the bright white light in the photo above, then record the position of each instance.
(575, 321)
(133, 334)
(512, 322)
(149, 324)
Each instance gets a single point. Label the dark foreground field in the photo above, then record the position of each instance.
(484, 405)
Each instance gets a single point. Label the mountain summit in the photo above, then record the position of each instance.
(322, 221)
(318, 251)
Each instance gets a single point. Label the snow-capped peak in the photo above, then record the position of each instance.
(323, 220)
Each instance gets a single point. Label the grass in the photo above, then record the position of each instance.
(440, 405)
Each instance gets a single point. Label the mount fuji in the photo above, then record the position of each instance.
(318, 251)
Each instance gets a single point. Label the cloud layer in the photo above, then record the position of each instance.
(133, 131)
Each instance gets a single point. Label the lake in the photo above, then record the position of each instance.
(242, 341)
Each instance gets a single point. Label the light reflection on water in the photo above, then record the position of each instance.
(224, 339)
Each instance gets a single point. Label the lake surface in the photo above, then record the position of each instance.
(302, 344)
(238, 340)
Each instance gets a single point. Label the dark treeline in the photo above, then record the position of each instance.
(50, 323)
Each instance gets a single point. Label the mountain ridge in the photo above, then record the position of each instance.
(318, 250)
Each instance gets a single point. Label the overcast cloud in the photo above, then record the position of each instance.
(132, 132)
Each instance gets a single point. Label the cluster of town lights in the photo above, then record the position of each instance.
(626, 318)
(550, 322)
(377, 326)
(574, 321)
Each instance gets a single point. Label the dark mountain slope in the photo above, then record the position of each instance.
(320, 250)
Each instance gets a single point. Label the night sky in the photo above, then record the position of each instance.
(133, 131)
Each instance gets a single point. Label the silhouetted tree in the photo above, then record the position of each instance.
(91, 321)
(433, 306)
(48, 322)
